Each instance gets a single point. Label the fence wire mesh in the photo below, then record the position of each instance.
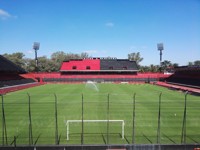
(44, 120)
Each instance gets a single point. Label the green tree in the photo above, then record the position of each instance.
(56, 60)
(197, 62)
(190, 63)
(29, 64)
(70, 56)
(165, 64)
(84, 55)
(144, 69)
(16, 58)
(175, 64)
(154, 68)
(46, 65)
(135, 57)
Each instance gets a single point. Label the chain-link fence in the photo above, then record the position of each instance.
(30, 119)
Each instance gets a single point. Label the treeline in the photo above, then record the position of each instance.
(45, 64)
(53, 63)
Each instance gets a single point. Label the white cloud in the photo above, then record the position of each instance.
(4, 15)
(109, 24)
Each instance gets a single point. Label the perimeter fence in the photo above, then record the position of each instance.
(29, 119)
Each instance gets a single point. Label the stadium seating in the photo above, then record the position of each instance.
(117, 64)
(10, 78)
(57, 77)
(186, 76)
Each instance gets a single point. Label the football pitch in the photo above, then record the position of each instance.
(52, 105)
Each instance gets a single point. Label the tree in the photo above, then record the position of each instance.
(175, 65)
(16, 58)
(135, 57)
(165, 64)
(197, 62)
(154, 68)
(45, 64)
(29, 65)
(84, 55)
(70, 56)
(144, 69)
(56, 59)
(190, 63)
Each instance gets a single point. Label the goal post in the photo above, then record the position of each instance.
(94, 121)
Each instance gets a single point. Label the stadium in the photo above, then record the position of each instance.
(99, 103)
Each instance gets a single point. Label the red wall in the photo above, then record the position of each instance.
(81, 64)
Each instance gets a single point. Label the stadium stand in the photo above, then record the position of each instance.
(186, 76)
(98, 70)
(7, 66)
(118, 64)
(10, 78)
(80, 65)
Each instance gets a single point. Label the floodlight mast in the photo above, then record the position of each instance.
(160, 48)
(36, 46)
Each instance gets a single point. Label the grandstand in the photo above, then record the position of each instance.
(11, 77)
(99, 70)
(185, 78)
(102, 70)
(100, 66)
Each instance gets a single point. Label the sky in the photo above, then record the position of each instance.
(103, 28)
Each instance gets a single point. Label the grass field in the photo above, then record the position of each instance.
(95, 107)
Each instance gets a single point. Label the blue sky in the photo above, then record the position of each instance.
(103, 28)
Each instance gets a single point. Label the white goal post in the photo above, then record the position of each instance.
(94, 121)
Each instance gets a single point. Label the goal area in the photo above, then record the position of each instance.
(68, 122)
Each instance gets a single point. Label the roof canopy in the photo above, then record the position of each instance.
(7, 66)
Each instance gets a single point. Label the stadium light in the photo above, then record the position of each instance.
(160, 48)
(36, 46)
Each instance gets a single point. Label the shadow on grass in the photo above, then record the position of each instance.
(147, 138)
(169, 138)
(59, 139)
(192, 139)
(104, 140)
(14, 140)
(37, 139)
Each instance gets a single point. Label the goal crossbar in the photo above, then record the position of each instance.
(94, 121)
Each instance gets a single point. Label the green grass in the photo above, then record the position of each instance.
(69, 97)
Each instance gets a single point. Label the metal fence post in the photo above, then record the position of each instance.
(56, 121)
(158, 129)
(15, 141)
(4, 131)
(108, 117)
(183, 136)
(82, 125)
(30, 121)
(133, 134)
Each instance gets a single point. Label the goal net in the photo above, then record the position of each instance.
(68, 122)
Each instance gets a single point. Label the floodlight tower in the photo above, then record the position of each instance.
(36, 46)
(160, 48)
